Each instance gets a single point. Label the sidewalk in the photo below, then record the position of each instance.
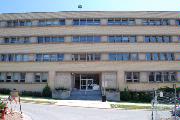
(85, 103)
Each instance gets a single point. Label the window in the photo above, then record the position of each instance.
(40, 40)
(158, 77)
(155, 56)
(8, 77)
(44, 77)
(147, 39)
(53, 57)
(39, 57)
(16, 23)
(112, 57)
(76, 22)
(125, 57)
(86, 22)
(132, 76)
(47, 39)
(25, 58)
(162, 56)
(2, 77)
(162, 76)
(156, 22)
(134, 56)
(83, 57)
(119, 57)
(22, 77)
(51, 22)
(152, 39)
(132, 39)
(37, 77)
(125, 39)
(111, 39)
(121, 21)
(16, 77)
(86, 39)
(86, 57)
(46, 57)
(159, 39)
(170, 56)
(148, 56)
(57, 39)
(18, 58)
(166, 39)
(128, 77)
(151, 77)
(60, 57)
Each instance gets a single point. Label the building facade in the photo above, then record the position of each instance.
(89, 50)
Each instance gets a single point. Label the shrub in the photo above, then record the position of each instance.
(136, 96)
(5, 91)
(61, 88)
(47, 91)
(31, 94)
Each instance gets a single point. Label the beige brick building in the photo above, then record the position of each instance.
(89, 50)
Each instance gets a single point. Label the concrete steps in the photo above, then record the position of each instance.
(85, 95)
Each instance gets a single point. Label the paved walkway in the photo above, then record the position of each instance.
(76, 103)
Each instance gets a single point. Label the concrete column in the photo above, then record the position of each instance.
(142, 56)
(104, 21)
(3, 24)
(35, 22)
(109, 80)
(67, 57)
(104, 38)
(29, 77)
(104, 56)
(63, 80)
(67, 39)
(51, 79)
(138, 21)
(69, 22)
(177, 56)
(143, 77)
(33, 39)
(172, 22)
(175, 39)
(140, 39)
(121, 80)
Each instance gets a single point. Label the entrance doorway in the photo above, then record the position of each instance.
(86, 82)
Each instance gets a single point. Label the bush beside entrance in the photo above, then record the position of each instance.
(136, 96)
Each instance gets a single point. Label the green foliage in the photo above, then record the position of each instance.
(61, 88)
(2, 105)
(166, 89)
(134, 96)
(47, 91)
(31, 94)
(5, 91)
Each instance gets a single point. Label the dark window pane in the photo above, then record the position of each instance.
(40, 39)
(155, 56)
(148, 56)
(76, 39)
(112, 57)
(76, 22)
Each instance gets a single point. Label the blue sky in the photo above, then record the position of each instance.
(18, 6)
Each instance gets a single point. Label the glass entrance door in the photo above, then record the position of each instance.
(86, 84)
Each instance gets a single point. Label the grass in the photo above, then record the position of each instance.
(140, 107)
(129, 107)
